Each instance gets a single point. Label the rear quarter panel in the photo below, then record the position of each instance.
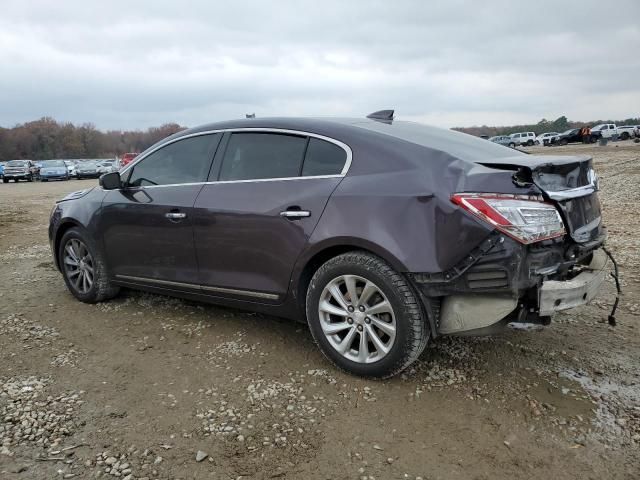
(395, 202)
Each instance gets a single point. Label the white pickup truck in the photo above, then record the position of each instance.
(610, 130)
(625, 132)
(604, 130)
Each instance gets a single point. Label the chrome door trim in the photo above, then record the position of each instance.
(233, 291)
(261, 180)
(169, 283)
(342, 145)
(295, 213)
(175, 215)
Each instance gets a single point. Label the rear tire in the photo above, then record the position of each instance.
(84, 268)
(512, 145)
(625, 136)
(530, 143)
(563, 142)
(385, 323)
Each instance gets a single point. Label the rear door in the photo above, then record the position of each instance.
(254, 218)
(147, 225)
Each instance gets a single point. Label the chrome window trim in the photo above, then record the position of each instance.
(344, 146)
(231, 291)
(314, 177)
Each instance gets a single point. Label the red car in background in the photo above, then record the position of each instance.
(127, 158)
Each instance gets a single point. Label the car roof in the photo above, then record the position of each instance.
(356, 132)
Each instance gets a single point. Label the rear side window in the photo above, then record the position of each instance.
(323, 158)
(255, 156)
(184, 161)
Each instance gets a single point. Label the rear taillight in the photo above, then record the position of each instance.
(526, 219)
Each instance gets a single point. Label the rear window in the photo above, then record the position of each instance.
(323, 158)
(458, 144)
(53, 163)
(17, 163)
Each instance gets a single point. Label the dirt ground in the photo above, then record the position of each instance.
(140, 386)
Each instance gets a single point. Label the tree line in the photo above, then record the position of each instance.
(561, 124)
(47, 138)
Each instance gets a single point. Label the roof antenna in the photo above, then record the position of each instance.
(250, 115)
(384, 116)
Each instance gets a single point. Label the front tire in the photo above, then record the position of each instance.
(364, 316)
(83, 268)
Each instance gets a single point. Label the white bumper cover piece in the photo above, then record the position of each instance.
(555, 295)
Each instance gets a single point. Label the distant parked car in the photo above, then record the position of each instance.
(87, 170)
(501, 140)
(1, 169)
(127, 158)
(521, 139)
(17, 170)
(545, 138)
(604, 130)
(625, 132)
(71, 168)
(107, 167)
(570, 136)
(53, 170)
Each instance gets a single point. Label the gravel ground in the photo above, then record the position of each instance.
(151, 387)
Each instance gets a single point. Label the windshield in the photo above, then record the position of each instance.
(17, 163)
(52, 163)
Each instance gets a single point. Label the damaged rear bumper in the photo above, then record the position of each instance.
(557, 295)
(502, 281)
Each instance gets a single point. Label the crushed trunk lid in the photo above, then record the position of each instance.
(569, 182)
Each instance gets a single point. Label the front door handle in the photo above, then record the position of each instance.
(175, 215)
(295, 214)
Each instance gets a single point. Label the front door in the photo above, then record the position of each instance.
(147, 225)
(253, 221)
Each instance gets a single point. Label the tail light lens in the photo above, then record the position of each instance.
(525, 219)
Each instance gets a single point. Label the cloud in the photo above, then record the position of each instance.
(133, 64)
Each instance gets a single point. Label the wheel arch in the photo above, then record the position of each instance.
(64, 226)
(321, 253)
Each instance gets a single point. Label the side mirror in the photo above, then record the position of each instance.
(110, 181)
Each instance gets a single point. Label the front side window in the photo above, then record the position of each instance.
(184, 161)
(323, 158)
(255, 156)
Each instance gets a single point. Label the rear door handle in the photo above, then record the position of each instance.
(295, 214)
(175, 215)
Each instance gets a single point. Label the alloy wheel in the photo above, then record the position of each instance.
(78, 265)
(357, 319)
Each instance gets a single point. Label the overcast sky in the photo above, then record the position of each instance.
(132, 64)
